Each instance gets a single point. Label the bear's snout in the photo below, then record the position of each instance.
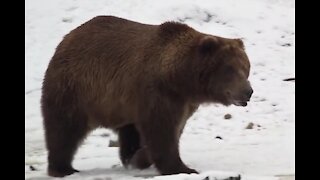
(248, 93)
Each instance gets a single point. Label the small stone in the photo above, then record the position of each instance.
(113, 143)
(218, 137)
(234, 178)
(206, 178)
(250, 126)
(262, 99)
(67, 19)
(227, 116)
(32, 168)
(286, 45)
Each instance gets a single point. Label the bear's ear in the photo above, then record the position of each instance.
(208, 44)
(239, 42)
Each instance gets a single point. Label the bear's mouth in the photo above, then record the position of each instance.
(239, 100)
(240, 103)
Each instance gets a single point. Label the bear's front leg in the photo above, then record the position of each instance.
(160, 132)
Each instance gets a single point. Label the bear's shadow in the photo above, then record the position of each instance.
(108, 173)
(111, 173)
(147, 173)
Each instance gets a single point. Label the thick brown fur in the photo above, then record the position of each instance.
(144, 81)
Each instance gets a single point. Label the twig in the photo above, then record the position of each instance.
(32, 90)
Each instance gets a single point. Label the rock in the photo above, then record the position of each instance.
(113, 143)
(32, 168)
(234, 178)
(250, 126)
(67, 19)
(227, 116)
(229, 178)
(286, 44)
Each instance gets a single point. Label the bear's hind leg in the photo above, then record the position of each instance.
(64, 132)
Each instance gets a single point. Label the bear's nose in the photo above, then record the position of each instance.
(249, 93)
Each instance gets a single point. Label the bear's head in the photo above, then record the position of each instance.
(222, 69)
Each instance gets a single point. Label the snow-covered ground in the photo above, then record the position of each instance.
(264, 152)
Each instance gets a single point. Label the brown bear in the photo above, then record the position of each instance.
(143, 81)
